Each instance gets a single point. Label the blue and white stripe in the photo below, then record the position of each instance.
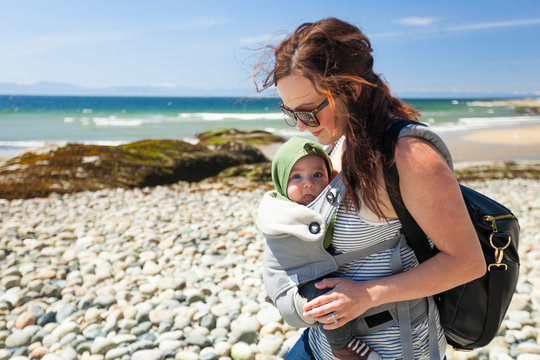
(352, 232)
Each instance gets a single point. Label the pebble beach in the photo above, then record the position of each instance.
(175, 272)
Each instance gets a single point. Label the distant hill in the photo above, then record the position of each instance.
(56, 88)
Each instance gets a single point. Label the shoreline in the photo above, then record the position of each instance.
(508, 143)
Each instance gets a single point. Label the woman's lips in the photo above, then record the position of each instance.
(316, 133)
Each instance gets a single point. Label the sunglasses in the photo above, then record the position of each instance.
(307, 118)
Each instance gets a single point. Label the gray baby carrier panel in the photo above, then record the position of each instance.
(291, 261)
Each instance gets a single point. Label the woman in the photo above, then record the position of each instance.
(324, 75)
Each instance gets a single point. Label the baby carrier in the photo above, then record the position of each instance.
(294, 255)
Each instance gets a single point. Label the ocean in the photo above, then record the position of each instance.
(35, 121)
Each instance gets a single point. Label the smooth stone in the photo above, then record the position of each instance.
(270, 344)
(105, 300)
(50, 291)
(271, 328)
(528, 347)
(51, 357)
(165, 326)
(24, 319)
(144, 327)
(68, 338)
(242, 351)
(64, 328)
(20, 353)
(170, 345)
(245, 330)
(93, 315)
(157, 316)
(528, 357)
(219, 333)
(141, 345)
(64, 312)
(171, 335)
(116, 353)
(186, 355)
(130, 312)
(69, 353)
(5, 354)
(149, 337)
(143, 309)
(49, 317)
(199, 340)
(10, 281)
(223, 348)
(92, 333)
(148, 288)
(124, 338)
(209, 321)
(194, 296)
(251, 307)
(45, 274)
(39, 352)
(127, 324)
(151, 268)
(268, 314)
(18, 338)
(208, 354)
(154, 354)
(101, 345)
(223, 322)
(519, 316)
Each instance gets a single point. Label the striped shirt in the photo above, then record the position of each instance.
(352, 232)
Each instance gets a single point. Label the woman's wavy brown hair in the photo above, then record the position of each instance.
(336, 57)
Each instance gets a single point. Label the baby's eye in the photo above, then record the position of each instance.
(295, 176)
(317, 175)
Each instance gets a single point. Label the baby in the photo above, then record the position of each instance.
(301, 170)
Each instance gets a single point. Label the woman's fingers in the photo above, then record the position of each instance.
(320, 308)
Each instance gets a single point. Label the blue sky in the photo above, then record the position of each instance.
(422, 48)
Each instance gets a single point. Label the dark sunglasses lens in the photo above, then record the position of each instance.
(308, 118)
(289, 118)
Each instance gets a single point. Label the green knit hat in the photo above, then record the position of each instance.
(287, 155)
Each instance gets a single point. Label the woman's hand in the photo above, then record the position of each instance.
(346, 301)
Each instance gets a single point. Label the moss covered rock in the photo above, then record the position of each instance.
(255, 137)
(77, 167)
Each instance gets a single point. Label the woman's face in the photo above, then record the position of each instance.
(298, 93)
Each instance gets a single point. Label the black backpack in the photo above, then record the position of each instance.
(470, 314)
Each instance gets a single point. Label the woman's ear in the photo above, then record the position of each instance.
(357, 89)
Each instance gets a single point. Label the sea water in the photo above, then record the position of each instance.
(34, 121)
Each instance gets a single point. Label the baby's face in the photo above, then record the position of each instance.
(308, 177)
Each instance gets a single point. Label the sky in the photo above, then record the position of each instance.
(422, 48)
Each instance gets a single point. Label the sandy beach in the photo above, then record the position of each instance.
(514, 143)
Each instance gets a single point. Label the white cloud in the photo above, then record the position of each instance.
(256, 40)
(166, 85)
(36, 44)
(456, 28)
(417, 21)
(497, 24)
(199, 23)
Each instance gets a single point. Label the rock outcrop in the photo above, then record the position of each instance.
(77, 167)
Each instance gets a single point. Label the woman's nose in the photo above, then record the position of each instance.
(300, 126)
